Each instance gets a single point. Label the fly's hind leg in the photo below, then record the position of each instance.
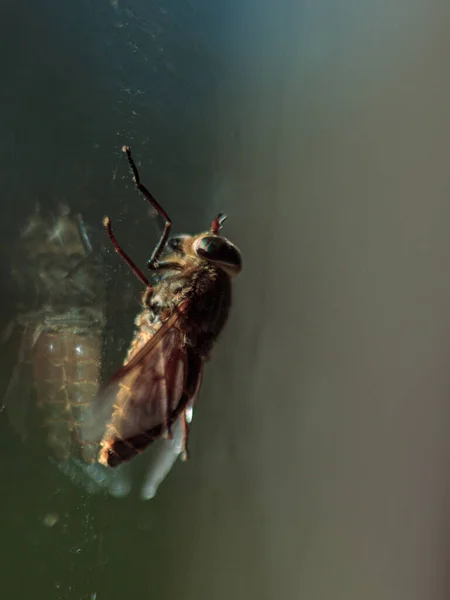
(192, 388)
(185, 428)
(168, 435)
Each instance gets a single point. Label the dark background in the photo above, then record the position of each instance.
(320, 452)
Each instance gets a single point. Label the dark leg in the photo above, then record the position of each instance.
(168, 435)
(159, 209)
(125, 257)
(185, 427)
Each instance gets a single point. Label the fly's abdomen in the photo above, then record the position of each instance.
(66, 370)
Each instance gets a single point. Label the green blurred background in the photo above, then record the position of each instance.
(320, 447)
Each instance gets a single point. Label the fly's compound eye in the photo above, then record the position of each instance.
(220, 251)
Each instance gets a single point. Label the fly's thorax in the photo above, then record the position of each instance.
(207, 308)
(147, 322)
(203, 298)
(167, 295)
(197, 284)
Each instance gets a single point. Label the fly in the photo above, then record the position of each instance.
(183, 312)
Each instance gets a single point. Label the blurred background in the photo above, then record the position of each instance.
(320, 449)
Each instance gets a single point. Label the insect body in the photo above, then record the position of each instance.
(60, 321)
(183, 313)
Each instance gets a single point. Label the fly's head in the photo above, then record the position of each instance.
(209, 246)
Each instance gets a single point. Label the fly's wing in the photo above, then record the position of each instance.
(146, 396)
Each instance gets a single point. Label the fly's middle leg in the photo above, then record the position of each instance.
(118, 248)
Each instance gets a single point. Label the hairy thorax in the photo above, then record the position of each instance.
(203, 298)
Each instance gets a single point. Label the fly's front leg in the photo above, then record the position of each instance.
(139, 274)
(159, 209)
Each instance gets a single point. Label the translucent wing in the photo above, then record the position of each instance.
(148, 394)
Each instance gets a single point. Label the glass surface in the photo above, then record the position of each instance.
(320, 443)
